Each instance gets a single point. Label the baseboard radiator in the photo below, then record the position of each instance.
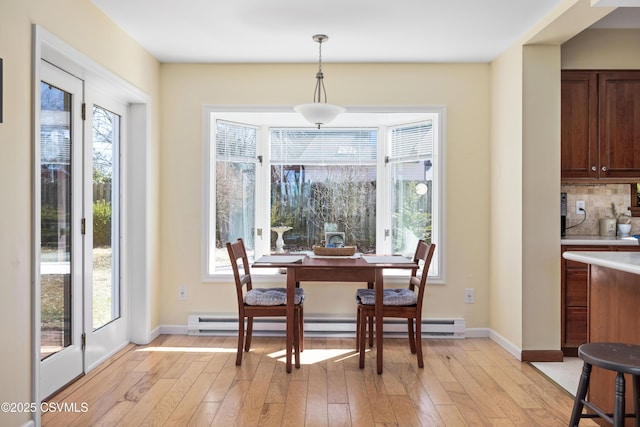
(216, 325)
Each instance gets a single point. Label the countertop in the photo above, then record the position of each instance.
(623, 261)
(599, 240)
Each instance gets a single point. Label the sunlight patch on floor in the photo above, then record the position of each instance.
(311, 356)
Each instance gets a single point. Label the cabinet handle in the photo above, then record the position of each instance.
(604, 169)
(593, 168)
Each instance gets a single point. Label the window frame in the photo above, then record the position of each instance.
(211, 113)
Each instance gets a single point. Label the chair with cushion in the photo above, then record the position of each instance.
(260, 302)
(405, 303)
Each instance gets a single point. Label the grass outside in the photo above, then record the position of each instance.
(53, 296)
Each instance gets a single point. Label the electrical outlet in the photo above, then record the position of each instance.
(580, 208)
(182, 293)
(469, 295)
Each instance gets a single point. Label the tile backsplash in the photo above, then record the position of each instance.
(598, 199)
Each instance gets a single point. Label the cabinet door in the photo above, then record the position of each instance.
(575, 327)
(574, 302)
(579, 125)
(619, 123)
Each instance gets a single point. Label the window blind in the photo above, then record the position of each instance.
(325, 146)
(235, 141)
(412, 142)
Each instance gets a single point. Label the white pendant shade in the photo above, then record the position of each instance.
(319, 113)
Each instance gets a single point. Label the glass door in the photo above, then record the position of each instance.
(60, 250)
(83, 300)
(106, 327)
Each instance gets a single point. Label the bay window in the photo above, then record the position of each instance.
(375, 176)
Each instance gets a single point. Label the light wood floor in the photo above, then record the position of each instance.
(180, 380)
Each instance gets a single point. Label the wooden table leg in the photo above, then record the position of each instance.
(291, 288)
(379, 286)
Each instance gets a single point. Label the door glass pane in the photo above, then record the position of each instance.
(55, 224)
(235, 147)
(235, 208)
(106, 286)
(411, 200)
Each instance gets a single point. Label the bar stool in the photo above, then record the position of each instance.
(617, 357)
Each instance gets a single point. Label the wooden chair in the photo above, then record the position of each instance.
(405, 303)
(260, 302)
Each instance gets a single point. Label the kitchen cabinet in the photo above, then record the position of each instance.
(574, 293)
(600, 126)
(573, 300)
(579, 124)
(614, 298)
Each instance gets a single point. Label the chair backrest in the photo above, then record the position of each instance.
(424, 253)
(238, 255)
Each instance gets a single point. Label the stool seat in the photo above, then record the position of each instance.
(617, 357)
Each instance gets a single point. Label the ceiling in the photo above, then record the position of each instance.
(259, 31)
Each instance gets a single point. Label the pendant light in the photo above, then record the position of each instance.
(319, 112)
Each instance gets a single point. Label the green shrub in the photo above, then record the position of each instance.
(101, 223)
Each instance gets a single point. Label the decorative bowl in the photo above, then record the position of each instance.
(343, 251)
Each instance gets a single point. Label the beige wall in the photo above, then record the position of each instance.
(540, 198)
(462, 88)
(602, 49)
(506, 196)
(82, 26)
(525, 182)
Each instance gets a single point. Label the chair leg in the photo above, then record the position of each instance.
(301, 328)
(363, 323)
(247, 341)
(357, 328)
(419, 343)
(581, 393)
(411, 334)
(240, 340)
(370, 285)
(618, 406)
(636, 399)
(296, 337)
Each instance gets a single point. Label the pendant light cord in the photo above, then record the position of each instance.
(320, 89)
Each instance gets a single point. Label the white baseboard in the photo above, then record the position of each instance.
(513, 349)
(478, 332)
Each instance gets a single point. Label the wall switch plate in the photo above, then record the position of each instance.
(469, 295)
(182, 293)
(580, 208)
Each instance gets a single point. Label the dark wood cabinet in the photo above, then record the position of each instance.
(579, 124)
(574, 312)
(600, 126)
(574, 285)
(619, 122)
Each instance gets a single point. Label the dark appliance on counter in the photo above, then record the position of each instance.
(563, 214)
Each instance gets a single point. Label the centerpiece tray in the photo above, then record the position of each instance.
(324, 251)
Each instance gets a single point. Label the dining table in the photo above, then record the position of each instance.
(309, 267)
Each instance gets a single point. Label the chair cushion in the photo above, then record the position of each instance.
(392, 296)
(271, 296)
